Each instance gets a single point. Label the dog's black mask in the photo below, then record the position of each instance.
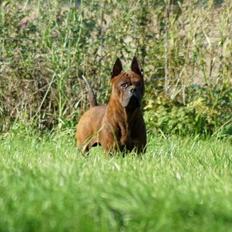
(131, 97)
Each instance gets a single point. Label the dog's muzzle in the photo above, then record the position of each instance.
(131, 98)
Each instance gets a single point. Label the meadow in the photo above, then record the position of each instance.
(179, 184)
(182, 182)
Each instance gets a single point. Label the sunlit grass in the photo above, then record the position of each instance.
(178, 185)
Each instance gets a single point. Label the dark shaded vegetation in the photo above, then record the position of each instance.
(185, 49)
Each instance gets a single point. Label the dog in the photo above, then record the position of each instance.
(119, 125)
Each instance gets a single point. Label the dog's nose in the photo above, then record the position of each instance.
(132, 90)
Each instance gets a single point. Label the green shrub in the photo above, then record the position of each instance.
(205, 112)
(46, 47)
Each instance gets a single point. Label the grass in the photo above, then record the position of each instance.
(180, 184)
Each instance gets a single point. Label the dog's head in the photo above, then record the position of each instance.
(128, 86)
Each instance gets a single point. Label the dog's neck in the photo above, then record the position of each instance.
(121, 119)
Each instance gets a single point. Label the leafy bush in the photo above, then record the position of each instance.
(206, 111)
(44, 54)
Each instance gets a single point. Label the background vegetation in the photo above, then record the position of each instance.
(181, 183)
(184, 47)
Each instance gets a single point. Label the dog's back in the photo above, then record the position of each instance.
(89, 126)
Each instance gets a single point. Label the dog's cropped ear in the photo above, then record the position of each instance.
(135, 66)
(117, 68)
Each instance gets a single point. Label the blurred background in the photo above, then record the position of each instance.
(184, 48)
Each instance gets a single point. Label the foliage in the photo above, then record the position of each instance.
(206, 111)
(45, 53)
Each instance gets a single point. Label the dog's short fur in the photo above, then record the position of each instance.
(118, 125)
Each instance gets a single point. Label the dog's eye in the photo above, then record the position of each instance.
(125, 85)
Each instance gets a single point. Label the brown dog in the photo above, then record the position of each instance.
(118, 125)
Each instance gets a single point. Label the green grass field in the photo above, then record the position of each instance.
(180, 184)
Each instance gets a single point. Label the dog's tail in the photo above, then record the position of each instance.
(91, 95)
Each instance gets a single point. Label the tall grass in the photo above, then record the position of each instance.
(178, 185)
(46, 47)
